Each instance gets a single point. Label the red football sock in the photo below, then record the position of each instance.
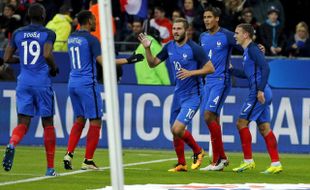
(179, 149)
(92, 141)
(50, 144)
(217, 143)
(18, 133)
(246, 142)
(75, 135)
(189, 140)
(272, 146)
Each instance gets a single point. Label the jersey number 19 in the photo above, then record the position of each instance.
(34, 50)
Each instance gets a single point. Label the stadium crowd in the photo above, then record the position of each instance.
(281, 36)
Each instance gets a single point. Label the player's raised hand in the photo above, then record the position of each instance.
(183, 74)
(261, 97)
(144, 40)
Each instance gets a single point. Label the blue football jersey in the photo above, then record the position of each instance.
(83, 48)
(29, 41)
(256, 69)
(218, 47)
(189, 56)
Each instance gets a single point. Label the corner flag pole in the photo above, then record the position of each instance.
(111, 95)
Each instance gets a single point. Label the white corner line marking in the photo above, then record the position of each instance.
(80, 171)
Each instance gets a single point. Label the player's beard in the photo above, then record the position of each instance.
(181, 38)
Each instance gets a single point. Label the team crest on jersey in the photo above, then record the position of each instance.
(218, 44)
(184, 56)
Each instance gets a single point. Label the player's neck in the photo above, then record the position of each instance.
(182, 42)
(214, 30)
(35, 23)
(85, 28)
(246, 43)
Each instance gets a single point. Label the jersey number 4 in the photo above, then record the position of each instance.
(34, 50)
(75, 57)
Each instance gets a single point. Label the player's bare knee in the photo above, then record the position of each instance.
(47, 121)
(80, 119)
(177, 131)
(95, 121)
(264, 128)
(209, 117)
(24, 119)
(241, 123)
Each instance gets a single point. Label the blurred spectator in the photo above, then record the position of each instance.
(271, 33)
(8, 24)
(61, 25)
(177, 13)
(193, 14)
(261, 7)
(298, 44)
(232, 13)
(189, 10)
(94, 8)
(192, 34)
(20, 8)
(162, 24)
(151, 76)
(247, 17)
(133, 37)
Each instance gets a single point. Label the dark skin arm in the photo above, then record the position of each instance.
(48, 55)
(9, 55)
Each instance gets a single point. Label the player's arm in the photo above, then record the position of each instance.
(236, 72)
(48, 56)
(205, 65)
(259, 60)
(151, 60)
(207, 68)
(48, 53)
(134, 58)
(10, 50)
(9, 55)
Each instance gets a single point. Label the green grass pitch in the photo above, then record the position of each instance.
(30, 163)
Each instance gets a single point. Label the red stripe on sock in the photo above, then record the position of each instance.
(179, 149)
(92, 141)
(75, 135)
(272, 146)
(217, 142)
(190, 141)
(50, 144)
(246, 142)
(18, 133)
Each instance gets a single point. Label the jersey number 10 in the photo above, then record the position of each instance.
(75, 57)
(34, 50)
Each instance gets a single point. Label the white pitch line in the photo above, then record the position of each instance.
(80, 171)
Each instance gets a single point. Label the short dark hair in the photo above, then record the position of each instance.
(84, 16)
(214, 10)
(161, 9)
(36, 12)
(247, 28)
(183, 20)
(10, 6)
